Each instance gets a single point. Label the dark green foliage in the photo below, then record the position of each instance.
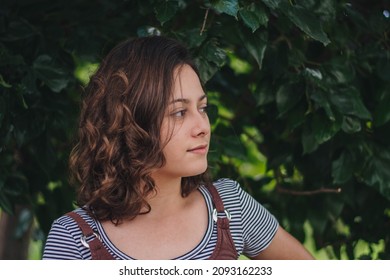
(303, 83)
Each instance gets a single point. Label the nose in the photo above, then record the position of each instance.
(201, 125)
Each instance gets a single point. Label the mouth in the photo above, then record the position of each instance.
(201, 149)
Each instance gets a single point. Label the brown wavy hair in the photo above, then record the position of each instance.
(118, 143)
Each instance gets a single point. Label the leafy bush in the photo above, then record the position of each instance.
(302, 89)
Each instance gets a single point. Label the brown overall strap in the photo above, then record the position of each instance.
(225, 248)
(98, 251)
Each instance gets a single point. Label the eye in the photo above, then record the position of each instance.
(179, 114)
(203, 109)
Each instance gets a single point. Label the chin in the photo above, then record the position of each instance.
(196, 171)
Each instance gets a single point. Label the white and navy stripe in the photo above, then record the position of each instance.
(252, 228)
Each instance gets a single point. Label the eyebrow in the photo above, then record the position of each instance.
(186, 101)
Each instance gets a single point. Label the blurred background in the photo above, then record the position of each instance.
(302, 90)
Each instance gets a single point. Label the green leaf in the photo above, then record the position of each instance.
(4, 83)
(5, 203)
(3, 113)
(212, 113)
(231, 146)
(319, 131)
(324, 129)
(309, 142)
(254, 16)
(256, 44)
(211, 58)
(51, 73)
(287, 97)
(381, 113)
(16, 184)
(191, 37)
(351, 125)
(318, 221)
(250, 19)
(335, 206)
(322, 100)
(343, 168)
(213, 53)
(295, 118)
(313, 74)
(264, 94)
(341, 71)
(206, 69)
(229, 7)
(383, 68)
(166, 10)
(272, 4)
(19, 29)
(348, 102)
(306, 21)
(376, 170)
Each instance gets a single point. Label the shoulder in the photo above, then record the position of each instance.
(70, 225)
(66, 218)
(226, 186)
(64, 238)
(229, 192)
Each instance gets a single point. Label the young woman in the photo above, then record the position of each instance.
(141, 169)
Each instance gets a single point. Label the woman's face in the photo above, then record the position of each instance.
(185, 132)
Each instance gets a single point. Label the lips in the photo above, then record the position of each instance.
(201, 149)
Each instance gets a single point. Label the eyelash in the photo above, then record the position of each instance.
(182, 113)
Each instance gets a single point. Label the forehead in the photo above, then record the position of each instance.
(186, 83)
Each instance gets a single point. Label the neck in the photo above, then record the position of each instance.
(167, 196)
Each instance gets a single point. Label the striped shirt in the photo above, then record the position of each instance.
(251, 225)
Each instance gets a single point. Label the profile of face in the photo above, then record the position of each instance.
(185, 131)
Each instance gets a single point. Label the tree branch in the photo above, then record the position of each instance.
(204, 21)
(312, 192)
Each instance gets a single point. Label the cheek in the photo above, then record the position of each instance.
(170, 132)
(174, 147)
(164, 133)
(167, 140)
